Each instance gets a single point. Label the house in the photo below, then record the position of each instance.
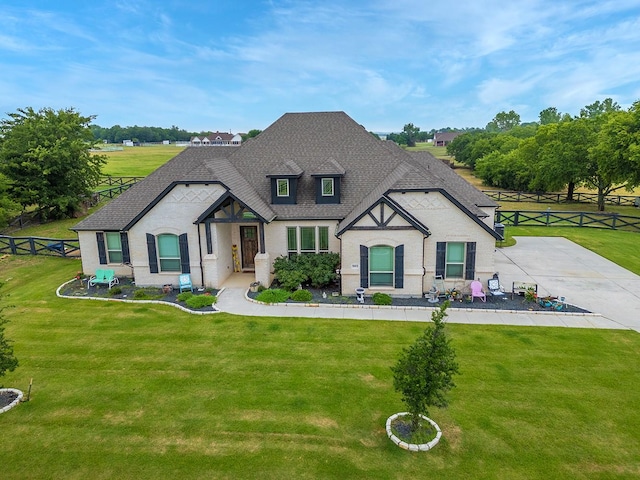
(396, 218)
(216, 139)
(442, 139)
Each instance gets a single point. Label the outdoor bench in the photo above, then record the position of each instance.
(103, 277)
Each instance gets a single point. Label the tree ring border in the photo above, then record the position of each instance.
(15, 402)
(413, 447)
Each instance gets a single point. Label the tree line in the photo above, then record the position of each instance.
(599, 148)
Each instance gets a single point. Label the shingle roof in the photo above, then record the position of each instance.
(305, 144)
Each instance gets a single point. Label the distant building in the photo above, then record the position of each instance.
(442, 139)
(216, 139)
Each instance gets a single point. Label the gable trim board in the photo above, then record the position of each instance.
(371, 176)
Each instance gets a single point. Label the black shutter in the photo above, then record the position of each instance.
(470, 263)
(102, 251)
(364, 266)
(184, 253)
(153, 256)
(399, 266)
(124, 242)
(441, 258)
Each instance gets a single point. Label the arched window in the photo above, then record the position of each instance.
(381, 269)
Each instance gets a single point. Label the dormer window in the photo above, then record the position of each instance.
(284, 183)
(327, 187)
(327, 181)
(282, 188)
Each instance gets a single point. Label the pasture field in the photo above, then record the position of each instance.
(138, 161)
(147, 391)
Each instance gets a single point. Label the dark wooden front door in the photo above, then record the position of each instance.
(249, 245)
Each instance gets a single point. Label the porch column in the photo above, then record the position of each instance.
(262, 263)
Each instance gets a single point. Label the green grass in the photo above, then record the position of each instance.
(146, 391)
(138, 161)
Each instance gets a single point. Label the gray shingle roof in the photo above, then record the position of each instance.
(304, 143)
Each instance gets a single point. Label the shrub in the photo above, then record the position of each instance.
(115, 291)
(184, 296)
(302, 296)
(317, 269)
(273, 295)
(200, 301)
(148, 294)
(380, 298)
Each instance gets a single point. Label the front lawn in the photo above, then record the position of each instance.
(147, 391)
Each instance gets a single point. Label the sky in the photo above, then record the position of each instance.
(235, 65)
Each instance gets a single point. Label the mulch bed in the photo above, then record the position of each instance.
(127, 290)
(518, 302)
(6, 398)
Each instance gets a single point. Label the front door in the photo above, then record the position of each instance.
(249, 246)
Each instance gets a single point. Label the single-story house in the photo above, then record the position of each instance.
(216, 139)
(396, 218)
(442, 139)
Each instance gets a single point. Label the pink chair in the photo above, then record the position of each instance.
(477, 291)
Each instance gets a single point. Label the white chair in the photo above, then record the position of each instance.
(495, 289)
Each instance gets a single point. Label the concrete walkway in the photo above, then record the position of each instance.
(559, 267)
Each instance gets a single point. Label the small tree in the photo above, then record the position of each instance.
(8, 362)
(424, 372)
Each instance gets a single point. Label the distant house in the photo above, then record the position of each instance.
(216, 139)
(442, 139)
(396, 218)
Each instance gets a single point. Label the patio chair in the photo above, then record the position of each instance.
(495, 289)
(438, 284)
(477, 291)
(103, 277)
(185, 282)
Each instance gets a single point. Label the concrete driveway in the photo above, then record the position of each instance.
(563, 268)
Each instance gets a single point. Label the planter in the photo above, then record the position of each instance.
(15, 402)
(167, 288)
(413, 447)
(254, 287)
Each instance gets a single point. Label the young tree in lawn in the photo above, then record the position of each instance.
(45, 155)
(8, 362)
(424, 372)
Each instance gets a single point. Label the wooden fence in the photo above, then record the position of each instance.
(568, 219)
(39, 246)
(628, 200)
(117, 186)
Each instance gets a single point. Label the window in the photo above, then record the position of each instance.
(312, 240)
(381, 266)
(169, 253)
(114, 247)
(292, 240)
(282, 187)
(327, 187)
(455, 260)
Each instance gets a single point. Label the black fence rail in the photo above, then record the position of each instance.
(568, 219)
(39, 246)
(109, 180)
(626, 200)
(109, 193)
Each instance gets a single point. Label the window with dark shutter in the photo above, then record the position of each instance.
(470, 261)
(153, 256)
(124, 241)
(441, 258)
(364, 266)
(102, 251)
(184, 253)
(399, 266)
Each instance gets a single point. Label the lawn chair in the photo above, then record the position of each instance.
(477, 291)
(495, 289)
(438, 283)
(103, 277)
(185, 282)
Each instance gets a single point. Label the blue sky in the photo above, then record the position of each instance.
(237, 65)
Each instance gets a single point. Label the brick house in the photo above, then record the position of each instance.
(396, 218)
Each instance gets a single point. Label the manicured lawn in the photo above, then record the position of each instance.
(145, 391)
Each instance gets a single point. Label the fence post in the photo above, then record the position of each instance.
(12, 245)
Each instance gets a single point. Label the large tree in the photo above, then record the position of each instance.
(411, 132)
(45, 155)
(503, 121)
